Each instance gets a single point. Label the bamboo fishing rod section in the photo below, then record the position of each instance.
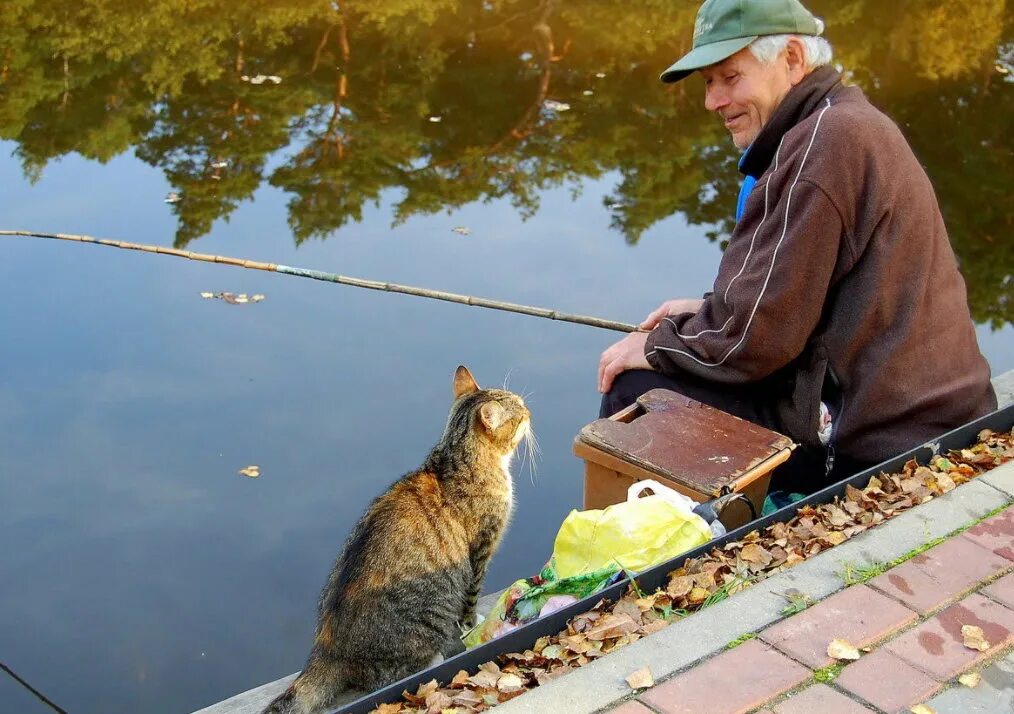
(341, 279)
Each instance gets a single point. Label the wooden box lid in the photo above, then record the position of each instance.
(683, 440)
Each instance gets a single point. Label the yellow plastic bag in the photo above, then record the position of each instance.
(635, 535)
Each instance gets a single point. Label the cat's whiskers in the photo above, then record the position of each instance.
(532, 450)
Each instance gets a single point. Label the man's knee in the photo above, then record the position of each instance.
(627, 387)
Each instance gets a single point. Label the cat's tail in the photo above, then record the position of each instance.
(312, 691)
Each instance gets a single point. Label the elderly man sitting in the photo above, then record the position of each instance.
(838, 315)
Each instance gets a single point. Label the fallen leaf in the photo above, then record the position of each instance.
(971, 679)
(754, 553)
(460, 679)
(842, 649)
(388, 708)
(641, 679)
(509, 683)
(483, 679)
(612, 626)
(974, 637)
(251, 471)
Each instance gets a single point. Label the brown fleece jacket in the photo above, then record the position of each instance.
(839, 283)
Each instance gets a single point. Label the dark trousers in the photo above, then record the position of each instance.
(804, 472)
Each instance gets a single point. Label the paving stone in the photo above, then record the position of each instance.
(887, 682)
(858, 614)
(1002, 590)
(943, 572)
(996, 534)
(937, 647)
(631, 708)
(995, 693)
(819, 698)
(736, 681)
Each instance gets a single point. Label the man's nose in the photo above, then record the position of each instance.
(715, 99)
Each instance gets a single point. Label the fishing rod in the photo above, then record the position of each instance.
(342, 279)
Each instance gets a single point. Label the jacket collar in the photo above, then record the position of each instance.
(798, 104)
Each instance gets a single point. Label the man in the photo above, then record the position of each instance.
(838, 316)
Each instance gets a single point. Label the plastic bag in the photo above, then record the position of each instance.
(531, 598)
(592, 547)
(634, 535)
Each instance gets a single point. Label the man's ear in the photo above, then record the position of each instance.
(493, 416)
(795, 59)
(464, 382)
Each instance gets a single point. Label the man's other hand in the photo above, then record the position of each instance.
(671, 307)
(626, 354)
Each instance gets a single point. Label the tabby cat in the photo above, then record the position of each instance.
(407, 581)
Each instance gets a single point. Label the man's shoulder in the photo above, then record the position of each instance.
(842, 125)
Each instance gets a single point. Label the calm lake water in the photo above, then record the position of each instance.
(140, 572)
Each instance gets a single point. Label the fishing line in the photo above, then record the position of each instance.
(342, 279)
(42, 697)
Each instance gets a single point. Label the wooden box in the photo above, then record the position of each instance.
(689, 446)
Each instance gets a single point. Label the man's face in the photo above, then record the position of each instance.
(745, 92)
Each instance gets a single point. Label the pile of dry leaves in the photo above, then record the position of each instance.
(706, 580)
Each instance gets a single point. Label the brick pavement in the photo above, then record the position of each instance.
(909, 619)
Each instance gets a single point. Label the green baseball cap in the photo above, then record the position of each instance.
(724, 27)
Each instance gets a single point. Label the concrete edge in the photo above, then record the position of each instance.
(1003, 385)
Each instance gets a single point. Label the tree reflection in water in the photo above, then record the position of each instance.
(446, 101)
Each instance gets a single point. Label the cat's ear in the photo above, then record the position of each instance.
(464, 383)
(493, 416)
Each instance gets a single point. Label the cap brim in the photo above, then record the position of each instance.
(705, 56)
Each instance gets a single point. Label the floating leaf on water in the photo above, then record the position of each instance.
(641, 679)
(974, 638)
(555, 106)
(251, 471)
(971, 679)
(462, 230)
(842, 649)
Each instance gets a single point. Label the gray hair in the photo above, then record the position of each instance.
(818, 50)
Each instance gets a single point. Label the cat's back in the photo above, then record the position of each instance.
(408, 533)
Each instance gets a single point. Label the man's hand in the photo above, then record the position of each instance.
(671, 307)
(626, 354)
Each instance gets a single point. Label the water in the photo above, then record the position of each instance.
(140, 572)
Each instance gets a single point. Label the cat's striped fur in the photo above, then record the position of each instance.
(408, 579)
